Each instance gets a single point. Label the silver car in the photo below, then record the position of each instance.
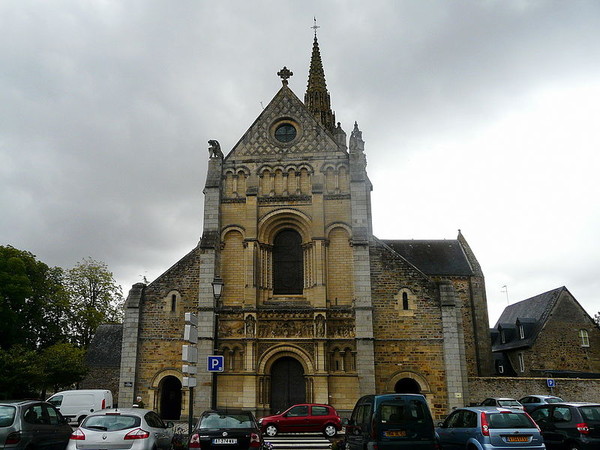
(122, 428)
(489, 428)
(32, 424)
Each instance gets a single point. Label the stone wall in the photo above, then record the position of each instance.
(569, 389)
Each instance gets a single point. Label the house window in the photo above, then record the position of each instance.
(502, 336)
(521, 362)
(173, 302)
(288, 273)
(585, 338)
(500, 368)
(521, 331)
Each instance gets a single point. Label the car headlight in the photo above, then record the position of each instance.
(260, 421)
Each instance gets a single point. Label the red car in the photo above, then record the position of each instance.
(305, 417)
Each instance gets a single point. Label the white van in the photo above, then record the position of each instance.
(76, 405)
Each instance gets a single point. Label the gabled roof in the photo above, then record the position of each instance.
(531, 313)
(105, 348)
(434, 257)
(257, 142)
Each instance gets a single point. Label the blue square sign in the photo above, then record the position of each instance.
(215, 363)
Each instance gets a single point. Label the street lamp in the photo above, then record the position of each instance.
(217, 286)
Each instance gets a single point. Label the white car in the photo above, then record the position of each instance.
(132, 428)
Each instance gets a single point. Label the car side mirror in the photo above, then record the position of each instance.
(345, 421)
(441, 425)
(170, 425)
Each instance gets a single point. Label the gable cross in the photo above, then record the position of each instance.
(285, 73)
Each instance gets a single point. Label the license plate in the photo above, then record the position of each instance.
(223, 441)
(517, 439)
(395, 433)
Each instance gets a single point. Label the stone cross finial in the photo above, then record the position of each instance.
(285, 73)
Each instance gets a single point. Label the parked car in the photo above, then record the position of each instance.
(226, 429)
(76, 405)
(502, 403)
(390, 421)
(569, 425)
(489, 428)
(305, 417)
(32, 424)
(132, 428)
(533, 401)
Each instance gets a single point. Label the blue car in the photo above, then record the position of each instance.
(489, 428)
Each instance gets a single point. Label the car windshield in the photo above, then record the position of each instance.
(590, 413)
(7, 415)
(509, 420)
(554, 400)
(111, 422)
(220, 420)
(508, 403)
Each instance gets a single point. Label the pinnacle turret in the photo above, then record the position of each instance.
(317, 98)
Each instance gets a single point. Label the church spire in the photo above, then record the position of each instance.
(317, 98)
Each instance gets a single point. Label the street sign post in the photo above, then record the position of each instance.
(189, 355)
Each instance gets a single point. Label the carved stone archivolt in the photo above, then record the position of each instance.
(308, 348)
(288, 329)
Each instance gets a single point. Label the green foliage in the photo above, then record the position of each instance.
(95, 298)
(48, 318)
(33, 303)
(597, 318)
(28, 373)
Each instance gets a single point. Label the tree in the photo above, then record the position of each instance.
(33, 303)
(62, 365)
(95, 298)
(597, 318)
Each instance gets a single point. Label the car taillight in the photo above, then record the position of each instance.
(194, 441)
(138, 433)
(485, 428)
(583, 428)
(254, 440)
(103, 403)
(13, 438)
(77, 435)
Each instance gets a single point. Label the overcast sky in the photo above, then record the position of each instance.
(477, 115)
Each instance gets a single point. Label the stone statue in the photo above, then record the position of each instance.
(320, 326)
(250, 325)
(214, 149)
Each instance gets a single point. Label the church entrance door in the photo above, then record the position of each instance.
(407, 386)
(287, 384)
(169, 392)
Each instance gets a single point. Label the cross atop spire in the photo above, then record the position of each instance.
(315, 26)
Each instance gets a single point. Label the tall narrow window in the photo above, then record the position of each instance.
(404, 301)
(288, 271)
(173, 302)
(521, 331)
(521, 362)
(585, 338)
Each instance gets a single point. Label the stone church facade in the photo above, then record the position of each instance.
(314, 307)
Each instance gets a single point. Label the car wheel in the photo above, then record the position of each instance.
(329, 431)
(574, 446)
(271, 430)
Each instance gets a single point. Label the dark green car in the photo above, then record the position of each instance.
(391, 421)
(32, 424)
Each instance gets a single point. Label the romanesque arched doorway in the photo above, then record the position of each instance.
(169, 391)
(407, 386)
(287, 383)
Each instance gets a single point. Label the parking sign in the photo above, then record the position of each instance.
(215, 363)
(550, 382)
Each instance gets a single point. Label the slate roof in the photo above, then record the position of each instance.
(434, 257)
(105, 348)
(531, 313)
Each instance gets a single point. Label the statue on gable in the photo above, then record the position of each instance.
(214, 149)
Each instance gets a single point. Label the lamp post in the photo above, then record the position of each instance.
(217, 287)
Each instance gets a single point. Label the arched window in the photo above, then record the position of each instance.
(404, 301)
(585, 338)
(288, 272)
